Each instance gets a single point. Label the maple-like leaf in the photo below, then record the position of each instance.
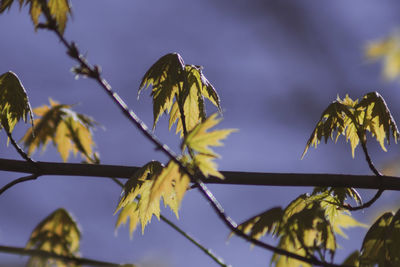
(68, 130)
(14, 102)
(58, 233)
(353, 119)
(381, 244)
(59, 10)
(179, 88)
(164, 76)
(200, 140)
(144, 190)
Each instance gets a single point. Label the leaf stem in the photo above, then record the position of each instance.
(20, 151)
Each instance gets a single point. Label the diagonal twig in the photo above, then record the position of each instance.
(19, 180)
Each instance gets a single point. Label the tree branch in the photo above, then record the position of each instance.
(46, 254)
(17, 181)
(231, 177)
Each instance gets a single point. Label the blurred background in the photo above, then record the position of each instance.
(276, 66)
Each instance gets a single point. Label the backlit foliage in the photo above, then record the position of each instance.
(143, 191)
(307, 226)
(67, 129)
(178, 87)
(58, 233)
(353, 119)
(59, 10)
(14, 103)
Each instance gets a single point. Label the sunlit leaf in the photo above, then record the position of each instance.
(58, 233)
(68, 130)
(381, 244)
(164, 76)
(352, 119)
(59, 10)
(14, 103)
(146, 188)
(200, 140)
(179, 88)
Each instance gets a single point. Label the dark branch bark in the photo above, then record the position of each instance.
(45, 254)
(231, 177)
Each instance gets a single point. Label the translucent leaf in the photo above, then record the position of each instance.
(69, 131)
(14, 103)
(377, 119)
(263, 223)
(351, 119)
(200, 141)
(164, 76)
(59, 9)
(145, 189)
(381, 244)
(58, 233)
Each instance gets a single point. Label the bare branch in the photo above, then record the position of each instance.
(17, 181)
(46, 254)
(231, 177)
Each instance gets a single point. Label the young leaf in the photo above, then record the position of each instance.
(381, 244)
(352, 259)
(59, 9)
(178, 87)
(377, 118)
(58, 233)
(164, 76)
(200, 140)
(145, 188)
(353, 119)
(14, 102)
(69, 131)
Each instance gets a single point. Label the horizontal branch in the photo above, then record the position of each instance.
(46, 254)
(231, 177)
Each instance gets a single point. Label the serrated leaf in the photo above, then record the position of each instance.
(58, 233)
(381, 244)
(164, 76)
(14, 102)
(200, 140)
(68, 130)
(145, 189)
(59, 9)
(351, 119)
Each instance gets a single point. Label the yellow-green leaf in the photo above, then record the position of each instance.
(60, 9)
(14, 103)
(200, 140)
(164, 76)
(69, 131)
(58, 233)
(381, 244)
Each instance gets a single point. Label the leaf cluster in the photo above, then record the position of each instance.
(353, 119)
(58, 233)
(179, 90)
(67, 129)
(307, 226)
(143, 191)
(59, 10)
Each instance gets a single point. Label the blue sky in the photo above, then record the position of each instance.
(276, 66)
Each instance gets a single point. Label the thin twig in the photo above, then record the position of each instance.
(371, 165)
(46, 254)
(19, 180)
(94, 73)
(20, 151)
